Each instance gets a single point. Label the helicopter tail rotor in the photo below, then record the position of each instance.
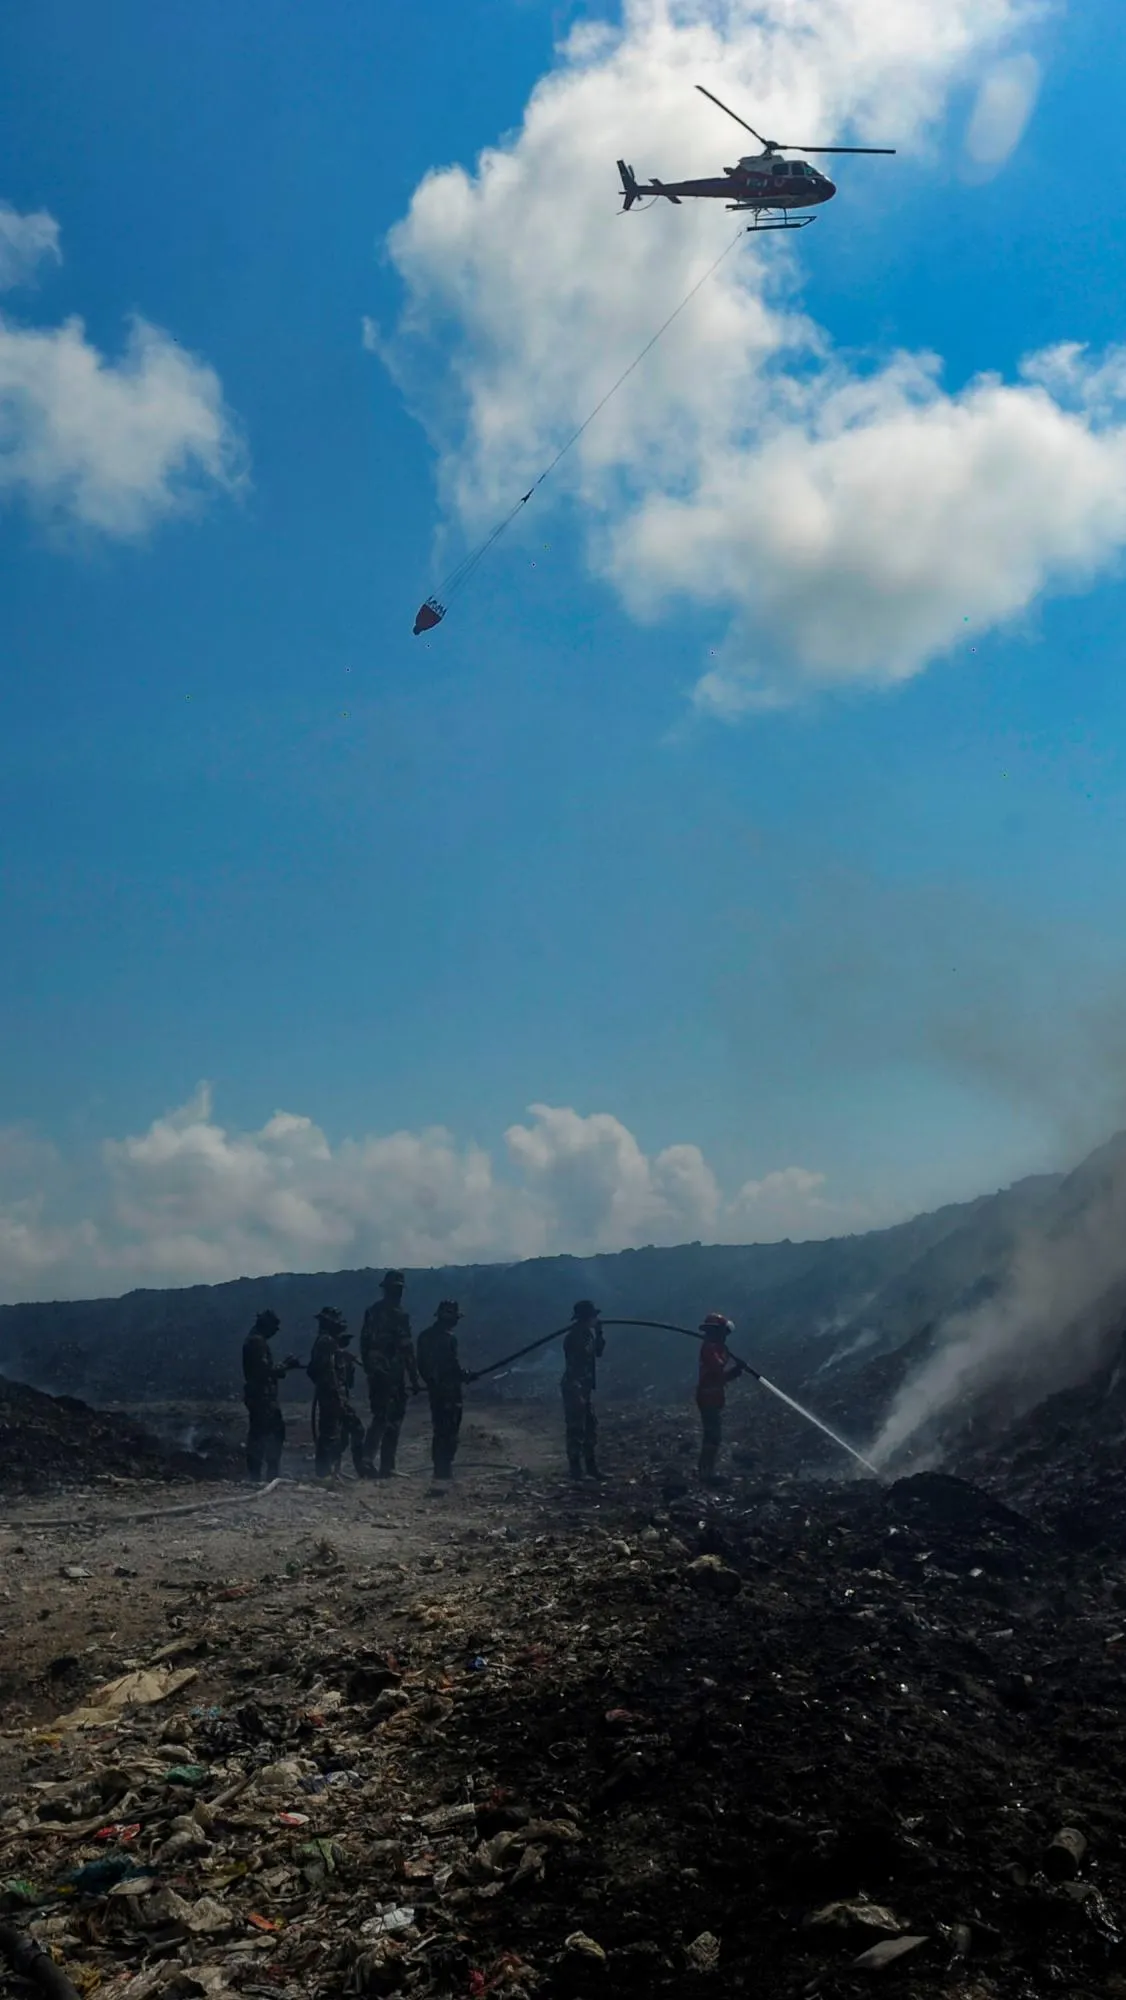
(630, 190)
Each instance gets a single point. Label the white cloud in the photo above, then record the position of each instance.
(110, 445)
(602, 1192)
(189, 1201)
(25, 241)
(1003, 106)
(852, 523)
(887, 523)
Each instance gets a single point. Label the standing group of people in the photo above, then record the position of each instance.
(394, 1369)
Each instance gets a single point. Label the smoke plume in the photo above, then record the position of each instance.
(1047, 1325)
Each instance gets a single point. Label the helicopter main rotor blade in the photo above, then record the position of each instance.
(768, 143)
(835, 149)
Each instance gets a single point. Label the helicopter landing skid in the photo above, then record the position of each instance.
(786, 221)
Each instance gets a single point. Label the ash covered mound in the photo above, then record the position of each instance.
(52, 1441)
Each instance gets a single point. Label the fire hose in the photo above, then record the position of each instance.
(693, 1333)
(28, 1958)
(506, 1360)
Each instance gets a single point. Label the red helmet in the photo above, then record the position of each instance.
(718, 1323)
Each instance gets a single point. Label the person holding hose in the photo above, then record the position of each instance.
(443, 1376)
(262, 1379)
(583, 1344)
(717, 1369)
(387, 1354)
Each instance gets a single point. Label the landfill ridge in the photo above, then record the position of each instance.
(52, 1441)
(786, 1737)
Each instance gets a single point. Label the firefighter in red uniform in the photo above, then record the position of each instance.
(717, 1369)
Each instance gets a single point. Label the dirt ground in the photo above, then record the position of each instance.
(518, 1739)
(133, 1578)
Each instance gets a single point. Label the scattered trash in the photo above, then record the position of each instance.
(1063, 1858)
(140, 1689)
(854, 1914)
(448, 1818)
(318, 1860)
(649, 1743)
(388, 1920)
(709, 1573)
(18, 1893)
(94, 1877)
(586, 1949)
(880, 1956)
(703, 1953)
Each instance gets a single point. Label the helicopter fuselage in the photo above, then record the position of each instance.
(763, 182)
(766, 182)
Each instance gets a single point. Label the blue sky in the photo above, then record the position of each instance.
(855, 920)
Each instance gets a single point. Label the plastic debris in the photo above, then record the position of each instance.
(388, 1920)
(1064, 1856)
(140, 1689)
(703, 1953)
(18, 1893)
(854, 1914)
(95, 1877)
(880, 1956)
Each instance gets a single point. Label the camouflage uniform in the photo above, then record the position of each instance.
(583, 1343)
(387, 1354)
(352, 1430)
(331, 1370)
(261, 1374)
(443, 1375)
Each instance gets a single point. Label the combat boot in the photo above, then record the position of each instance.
(590, 1467)
(387, 1463)
(574, 1465)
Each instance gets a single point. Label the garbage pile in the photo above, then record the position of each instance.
(631, 1741)
(53, 1441)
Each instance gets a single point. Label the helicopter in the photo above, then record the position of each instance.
(764, 184)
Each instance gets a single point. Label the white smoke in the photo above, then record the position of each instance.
(1044, 1329)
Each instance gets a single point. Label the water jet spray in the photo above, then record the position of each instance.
(690, 1333)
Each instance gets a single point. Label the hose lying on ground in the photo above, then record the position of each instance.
(150, 1513)
(29, 1959)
